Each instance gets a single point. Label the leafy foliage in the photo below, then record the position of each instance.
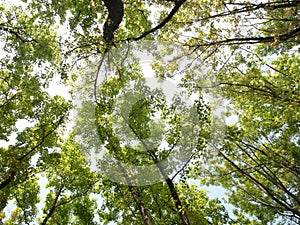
(251, 47)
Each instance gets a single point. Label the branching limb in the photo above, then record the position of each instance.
(178, 4)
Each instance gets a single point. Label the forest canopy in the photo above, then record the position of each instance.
(248, 55)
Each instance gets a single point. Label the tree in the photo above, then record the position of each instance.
(251, 47)
(113, 103)
(262, 150)
(28, 48)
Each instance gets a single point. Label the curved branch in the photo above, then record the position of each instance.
(178, 4)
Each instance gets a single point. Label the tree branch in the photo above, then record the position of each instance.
(10, 178)
(54, 206)
(178, 4)
(43, 139)
(252, 7)
(258, 184)
(171, 186)
(132, 190)
(3, 27)
(115, 15)
(254, 40)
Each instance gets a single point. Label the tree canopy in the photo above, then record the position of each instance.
(247, 50)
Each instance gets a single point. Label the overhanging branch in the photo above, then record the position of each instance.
(178, 4)
(254, 40)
